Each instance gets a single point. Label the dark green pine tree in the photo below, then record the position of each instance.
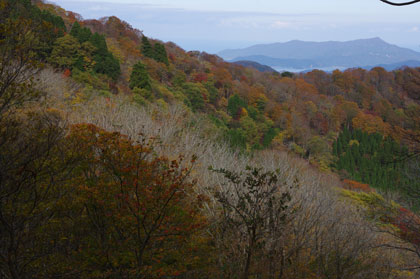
(146, 48)
(350, 163)
(195, 96)
(105, 61)
(79, 64)
(363, 169)
(160, 54)
(363, 143)
(345, 162)
(235, 103)
(358, 135)
(355, 153)
(213, 92)
(339, 147)
(83, 34)
(335, 149)
(140, 77)
(109, 66)
(99, 42)
(269, 136)
(75, 29)
(56, 21)
(346, 135)
(339, 164)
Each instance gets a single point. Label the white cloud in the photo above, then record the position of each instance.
(278, 24)
(267, 22)
(414, 29)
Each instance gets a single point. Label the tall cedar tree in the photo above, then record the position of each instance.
(104, 62)
(160, 54)
(83, 34)
(157, 52)
(146, 48)
(140, 77)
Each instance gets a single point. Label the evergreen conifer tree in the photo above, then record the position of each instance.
(160, 54)
(105, 61)
(84, 35)
(139, 77)
(335, 152)
(235, 103)
(146, 47)
(75, 29)
(99, 42)
(339, 147)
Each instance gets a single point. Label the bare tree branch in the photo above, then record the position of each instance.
(400, 4)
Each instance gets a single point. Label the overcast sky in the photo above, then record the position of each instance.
(214, 25)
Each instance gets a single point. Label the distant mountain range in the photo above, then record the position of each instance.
(391, 67)
(255, 65)
(365, 53)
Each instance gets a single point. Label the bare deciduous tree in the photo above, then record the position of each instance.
(400, 4)
(255, 206)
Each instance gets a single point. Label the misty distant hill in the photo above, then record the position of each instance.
(310, 55)
(394, 66)
(279, 62)
(255, 65)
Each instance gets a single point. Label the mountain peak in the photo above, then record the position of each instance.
(375, 39)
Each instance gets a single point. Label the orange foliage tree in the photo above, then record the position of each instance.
(371, 124)
(357, 186)
(140, 214)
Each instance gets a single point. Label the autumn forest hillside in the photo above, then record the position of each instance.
(122, 156)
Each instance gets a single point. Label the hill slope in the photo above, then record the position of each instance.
(255, 65)
(118, 171)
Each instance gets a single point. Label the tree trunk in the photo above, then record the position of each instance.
(248, 257)
(247, 265)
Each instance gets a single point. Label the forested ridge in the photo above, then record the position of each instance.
(122, 156)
